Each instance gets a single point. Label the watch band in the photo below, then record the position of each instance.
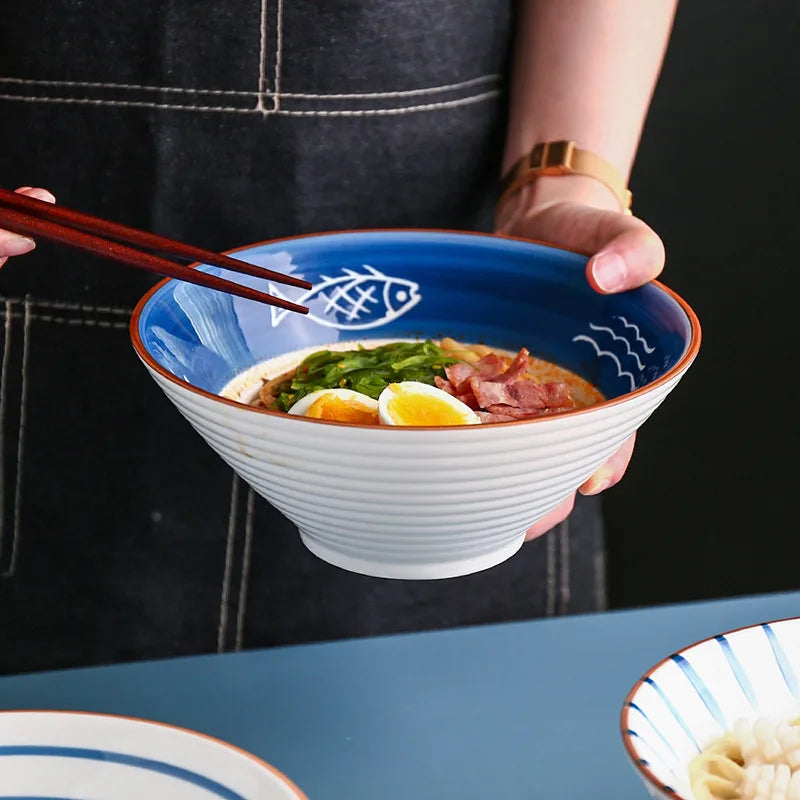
(564, 158)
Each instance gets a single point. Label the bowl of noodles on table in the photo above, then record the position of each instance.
(443, 392)
(720, 720)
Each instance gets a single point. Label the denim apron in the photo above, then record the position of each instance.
(122, 535)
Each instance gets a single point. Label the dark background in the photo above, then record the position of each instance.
(708, 506)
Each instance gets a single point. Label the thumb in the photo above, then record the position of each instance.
(625, 251)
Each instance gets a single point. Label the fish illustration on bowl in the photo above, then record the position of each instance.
(354, 299)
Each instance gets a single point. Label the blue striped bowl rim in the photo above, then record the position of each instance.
(640, 764)
(212, 787)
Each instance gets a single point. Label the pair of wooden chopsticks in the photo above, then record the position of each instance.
(36, 218)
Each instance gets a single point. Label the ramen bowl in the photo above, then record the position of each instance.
(59, 754)
(692, 697)
(415, 502)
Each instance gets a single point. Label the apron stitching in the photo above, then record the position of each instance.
(600, 581)
(12, 566)
(244, 580)
(396, 111)
(564, 593)
(445, 87)
(276, 97)
(81, 307)
(226, 573)
(361, 112)
(125, 104)
(91, 323)
(126, 86)
(262, 59)
(3, 390)
(37, 303)
(550, 575)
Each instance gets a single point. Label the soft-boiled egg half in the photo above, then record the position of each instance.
(338, 405)
(415, 403)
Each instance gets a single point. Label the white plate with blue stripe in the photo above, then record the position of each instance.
(694, 696)
(56, 755)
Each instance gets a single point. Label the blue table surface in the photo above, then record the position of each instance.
(517, 710)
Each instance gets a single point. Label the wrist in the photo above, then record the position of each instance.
(559, 171)
(575, 188)
(546, 190)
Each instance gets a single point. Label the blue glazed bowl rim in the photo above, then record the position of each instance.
(678, 367)
(643, 769)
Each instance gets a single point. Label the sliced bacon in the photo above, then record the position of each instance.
(444, 384)
(499, 391)
(555, 394)
(490, 366)
(517, 367)
(487, 416)
(518, 413)
(459, 373)
(468, 398)
(522, 393)
(532, 395)
(489, 393)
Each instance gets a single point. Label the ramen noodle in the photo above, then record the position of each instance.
(427, 382)
(757, 760)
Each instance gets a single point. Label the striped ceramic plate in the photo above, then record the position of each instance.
(57, 755)
(693, 696)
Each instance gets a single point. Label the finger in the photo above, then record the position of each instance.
(632, 258)
(12, 244)
(39, 194)
(626, 252)
(612, 471)
(551, 518)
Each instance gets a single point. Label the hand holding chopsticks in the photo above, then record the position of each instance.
(31, 217)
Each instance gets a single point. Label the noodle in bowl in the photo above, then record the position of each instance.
(719, 720)
(411, 501)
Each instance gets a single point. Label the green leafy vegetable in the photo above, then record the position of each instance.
(364, 370)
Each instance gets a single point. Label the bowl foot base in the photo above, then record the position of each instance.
(418, 570)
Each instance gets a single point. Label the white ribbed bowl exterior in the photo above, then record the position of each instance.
(408, 503)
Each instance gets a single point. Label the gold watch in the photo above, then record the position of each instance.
(564, 158)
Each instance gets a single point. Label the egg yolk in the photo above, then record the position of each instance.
(336, 409)
(409, 408)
